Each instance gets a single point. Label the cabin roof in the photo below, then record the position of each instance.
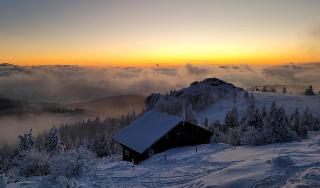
(146, 130)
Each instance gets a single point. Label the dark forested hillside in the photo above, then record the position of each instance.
(112, 106)
(20, 107)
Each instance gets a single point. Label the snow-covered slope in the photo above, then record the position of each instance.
(294, 164)
(289, 102)
(219, 165)
(214, 165)
(212, 98)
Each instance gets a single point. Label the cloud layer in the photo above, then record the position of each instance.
(74, 83)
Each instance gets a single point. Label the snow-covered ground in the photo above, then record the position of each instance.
(289, 165)
(215, 165)
(289, 102)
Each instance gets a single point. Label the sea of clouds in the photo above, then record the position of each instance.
(57, 83)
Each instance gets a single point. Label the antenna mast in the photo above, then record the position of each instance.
(183, 110)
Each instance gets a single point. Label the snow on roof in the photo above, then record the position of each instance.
(146, 130)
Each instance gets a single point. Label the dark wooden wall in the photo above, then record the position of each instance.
(184, 134)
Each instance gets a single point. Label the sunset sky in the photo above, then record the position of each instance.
(147, 32)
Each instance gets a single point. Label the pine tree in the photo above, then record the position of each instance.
(309, 91)
(252, 136)
(296, 125)
(264, 89)
(101, 146)
(3, 182)
(264, 112)
(252, 127)
(231, 118)
(276, 127)
(316, 124)
(307, 119)
(248, 114)
(284, 89)
(215, 126)
(53, 142)
(190, 115)
(257, 120)
(234, 136)
(216, 134)
(26, 141)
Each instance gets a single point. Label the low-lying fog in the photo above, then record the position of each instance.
(11, 126)
(73, 84)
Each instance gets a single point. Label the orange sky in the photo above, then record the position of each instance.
(143, 33)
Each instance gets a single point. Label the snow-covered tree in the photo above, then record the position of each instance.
(231, 118)
(32, 163)
(309, 91)
(316, 124)
(216, 125)
(276, 126)
(71, 163)
(308, 120)
(253, 117)
(26, 141)
(264, 112)
(234, 136)
(217, 134)
(284, 89)
(296, 125)
(252, 127)
(102, 147)
(3, 181)
(252, 136)
(53, 142)
(264, 89)
(249, 112)
(190, 115)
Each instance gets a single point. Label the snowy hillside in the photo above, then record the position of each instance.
(289, 102)
(199, 95)
(251, 146)
(218, 165)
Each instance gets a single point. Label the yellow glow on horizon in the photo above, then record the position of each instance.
(171, 52)
(164, 56)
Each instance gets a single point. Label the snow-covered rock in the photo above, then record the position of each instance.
(282, 161)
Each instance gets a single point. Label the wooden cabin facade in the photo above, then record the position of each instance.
(178, 133)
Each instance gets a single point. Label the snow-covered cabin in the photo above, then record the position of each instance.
(155, 132)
